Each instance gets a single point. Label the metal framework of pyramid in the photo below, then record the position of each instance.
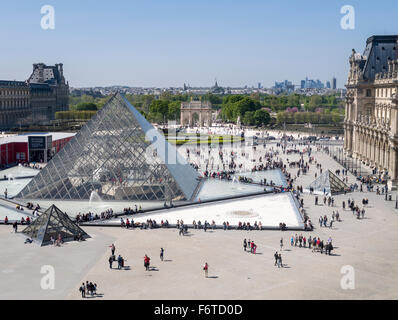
(118, 155)
(52, 223)
(329, 183)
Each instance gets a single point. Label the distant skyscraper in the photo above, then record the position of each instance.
(311, 84)
(284, 85)
(334, 83)
(328, 84)
(259, 85)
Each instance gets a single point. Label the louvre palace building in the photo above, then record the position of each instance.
(371, 114)
(35, 100)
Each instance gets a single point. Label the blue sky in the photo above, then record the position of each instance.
(169, 42)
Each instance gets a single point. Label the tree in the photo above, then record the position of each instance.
(83, 106)
(244, 105)
(261, 117)
(248, 118)
(293, 100)
(299, 117)
(174, 110)
(336, 118)
(159, 107)
(281, 117)
(315, 101)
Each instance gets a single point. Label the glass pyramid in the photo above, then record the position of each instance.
(329, 183)
(117, 155)
(50, 224)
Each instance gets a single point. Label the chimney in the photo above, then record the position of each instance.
(60, 69)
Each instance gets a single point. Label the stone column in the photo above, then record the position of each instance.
(372, 151)
(392, 170)
(181, 117)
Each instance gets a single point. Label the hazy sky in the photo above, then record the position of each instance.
(169, 42)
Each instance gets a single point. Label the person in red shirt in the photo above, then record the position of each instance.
(146, 262)
(6, 220)
(206, 269)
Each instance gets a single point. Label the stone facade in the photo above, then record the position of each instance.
(202, 111)
(35, 100)
(371, 115)
(14, 102)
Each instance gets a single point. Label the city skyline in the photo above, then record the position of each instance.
(155, 44)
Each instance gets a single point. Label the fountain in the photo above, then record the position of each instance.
(95, 201)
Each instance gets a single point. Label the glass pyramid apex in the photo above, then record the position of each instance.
(118, 155)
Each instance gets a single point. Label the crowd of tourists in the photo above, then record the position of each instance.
(250, 245)
(90, 216)
(315, 243)
(88, 288)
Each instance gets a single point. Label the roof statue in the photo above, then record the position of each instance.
(118, 155)
(329, 183)
(52, 224)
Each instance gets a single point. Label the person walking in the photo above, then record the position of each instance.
(113, 248)
(244, 245)
(206, 269)
(119, 262)
(281, 243)
(110, 262)
(146, 262)
(276, 258)
(161, 253)
(82, 289)
(280, 260)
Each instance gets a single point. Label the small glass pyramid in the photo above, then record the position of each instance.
(52, 223)
(118, 155)
(329, 183)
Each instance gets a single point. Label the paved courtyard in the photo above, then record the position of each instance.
(369, 245)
